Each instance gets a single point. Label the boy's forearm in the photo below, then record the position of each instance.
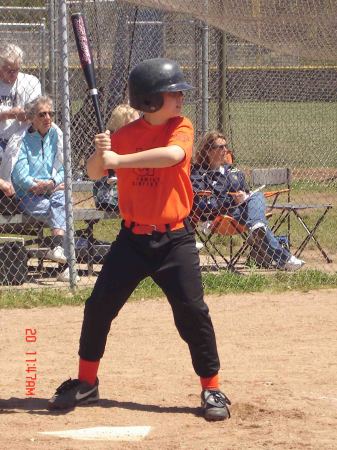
(95, 169)
(153, 158)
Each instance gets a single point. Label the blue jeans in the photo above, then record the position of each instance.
(47, 208)
(252, 213)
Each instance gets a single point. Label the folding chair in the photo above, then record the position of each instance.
(279, 176)
(206, 229)
(226, 225)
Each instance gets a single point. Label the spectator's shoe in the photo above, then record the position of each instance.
(199, 245)
(73, 393)
(214, 404)
(56, 254)
(293, 263)
(65, 276)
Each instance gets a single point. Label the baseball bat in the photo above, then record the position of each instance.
(88, 67)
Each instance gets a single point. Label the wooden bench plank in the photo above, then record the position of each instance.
(11, 219)
(88, 214)
(82, 186)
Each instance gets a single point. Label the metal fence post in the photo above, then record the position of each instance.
(204, 78)
(70, 241)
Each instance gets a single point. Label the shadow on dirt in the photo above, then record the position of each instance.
(39, 406)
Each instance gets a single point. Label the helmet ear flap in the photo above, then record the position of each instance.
(147, 102)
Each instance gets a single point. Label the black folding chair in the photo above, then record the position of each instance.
(297, 210)
(282, 176)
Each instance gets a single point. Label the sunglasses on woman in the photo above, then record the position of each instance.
(219, 147)
(43, 114)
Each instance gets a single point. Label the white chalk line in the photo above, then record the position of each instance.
(135, 433)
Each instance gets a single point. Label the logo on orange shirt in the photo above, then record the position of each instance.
(144, 172)
(145, 177)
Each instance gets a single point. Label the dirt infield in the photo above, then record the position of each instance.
(279, 368)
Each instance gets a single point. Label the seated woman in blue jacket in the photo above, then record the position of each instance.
(230, 194)
(38, 174)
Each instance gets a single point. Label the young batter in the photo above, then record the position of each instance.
(151, 157)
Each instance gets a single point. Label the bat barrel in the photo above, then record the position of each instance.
(87, 63)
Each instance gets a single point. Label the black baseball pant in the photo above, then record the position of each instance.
(172, 261)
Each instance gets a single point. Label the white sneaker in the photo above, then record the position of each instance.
(199, 245)
(65, 276)
(56, 254)
(206, 227)
(293, 263)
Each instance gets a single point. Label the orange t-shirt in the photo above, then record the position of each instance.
(154, 195)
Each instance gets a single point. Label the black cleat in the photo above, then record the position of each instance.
(72, 393)
(214, 404)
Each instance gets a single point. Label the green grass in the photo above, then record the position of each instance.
(279, 134)
(325, 186)
(229, 283)
(296, 134)
(220, 283)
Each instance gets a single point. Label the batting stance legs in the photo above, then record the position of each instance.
(171, 259)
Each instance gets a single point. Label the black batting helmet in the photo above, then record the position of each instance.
(150, 78)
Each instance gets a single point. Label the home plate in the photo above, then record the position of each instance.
(103, 433)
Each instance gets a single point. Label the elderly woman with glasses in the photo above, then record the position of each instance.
(229, 193)
(38, 174)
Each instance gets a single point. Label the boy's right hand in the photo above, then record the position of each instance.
(102, 142)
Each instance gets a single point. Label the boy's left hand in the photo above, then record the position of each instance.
(102, 142)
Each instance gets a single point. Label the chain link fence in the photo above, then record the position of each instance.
(264, 74)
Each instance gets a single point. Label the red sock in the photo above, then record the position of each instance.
(87, 371)
(210, 382)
